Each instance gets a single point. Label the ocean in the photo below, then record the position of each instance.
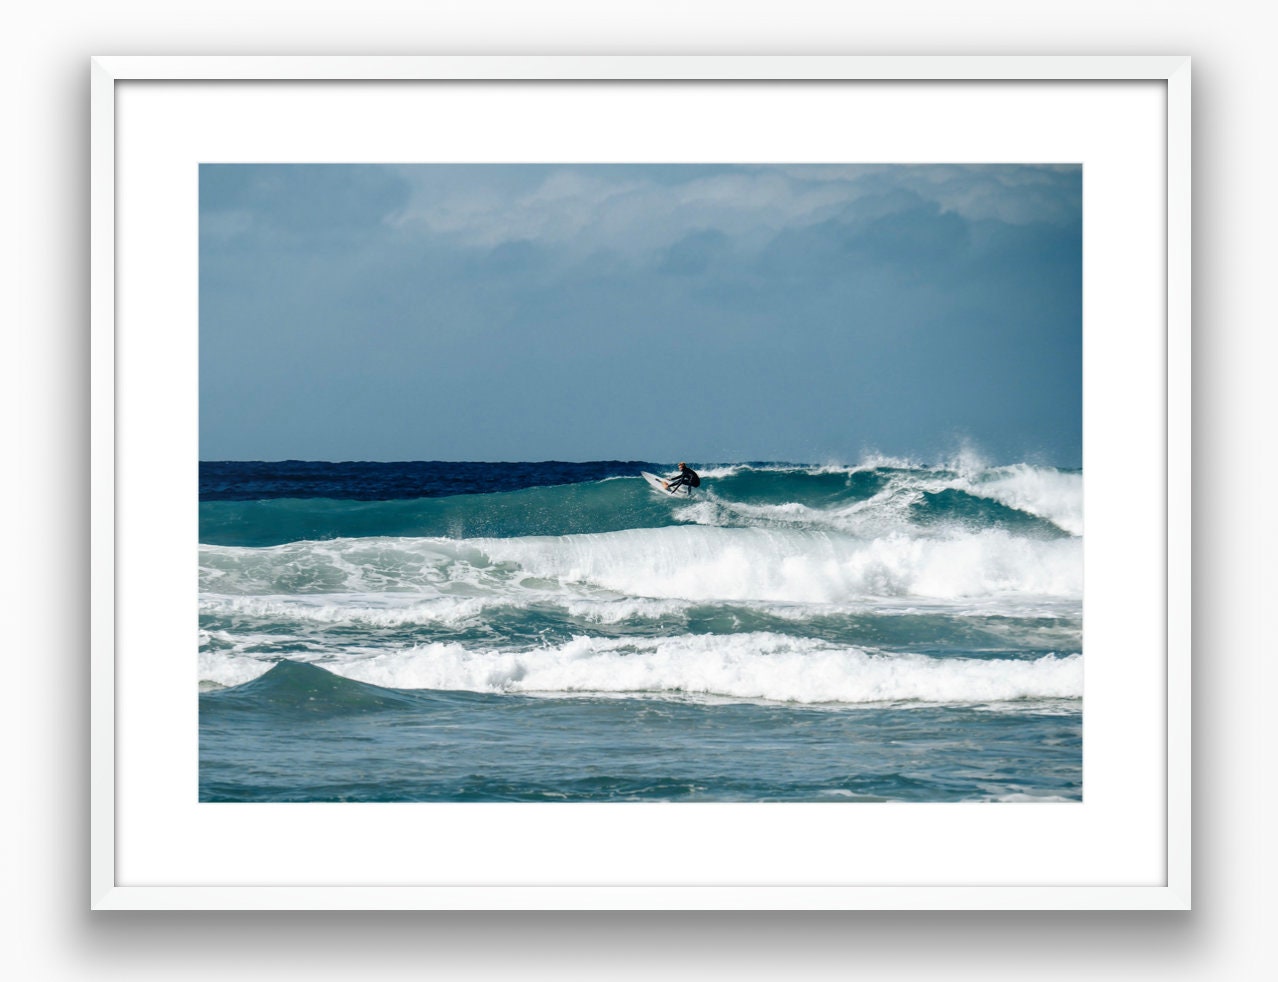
(551, 631)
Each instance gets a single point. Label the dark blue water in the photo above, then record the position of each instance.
(237, 480)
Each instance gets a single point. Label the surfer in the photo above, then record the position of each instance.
(686, 476)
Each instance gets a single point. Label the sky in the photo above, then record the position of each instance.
(709, 313)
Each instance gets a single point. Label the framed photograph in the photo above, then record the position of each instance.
(640, 483)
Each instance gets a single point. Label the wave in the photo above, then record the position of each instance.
(1047, 493)
(880, 582)
(867, 500)
(759, 666)
(290, 686)
(682, 562)
(993, 621)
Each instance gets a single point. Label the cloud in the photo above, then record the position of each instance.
(1011, 193)
(693, 254)
(644, 214)
(617, 207)
(297, 205)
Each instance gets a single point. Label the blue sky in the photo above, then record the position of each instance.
(809, 313)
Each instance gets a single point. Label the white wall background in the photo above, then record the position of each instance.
(48, 931)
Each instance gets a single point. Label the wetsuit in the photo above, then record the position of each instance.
(685, 476)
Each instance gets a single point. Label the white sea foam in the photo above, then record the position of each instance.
(1054, 495)
(362, 609)
(705, 563)
(757, 666)
(311, 614)
(405, 610)
(684, 563)
(230, 667)
(885, 513)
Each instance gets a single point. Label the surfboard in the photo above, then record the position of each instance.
(657, 485)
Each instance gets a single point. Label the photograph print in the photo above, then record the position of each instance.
(628, 483)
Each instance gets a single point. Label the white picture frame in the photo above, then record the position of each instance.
(154, 118)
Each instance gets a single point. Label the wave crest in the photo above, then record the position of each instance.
(760, 666)
(686, 562)
(867, 500)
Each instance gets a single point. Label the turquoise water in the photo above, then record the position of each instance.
(882, 632)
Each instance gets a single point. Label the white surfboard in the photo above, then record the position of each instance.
(658, 485)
